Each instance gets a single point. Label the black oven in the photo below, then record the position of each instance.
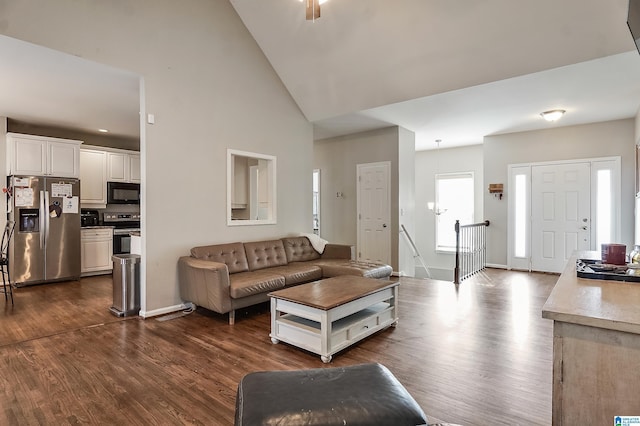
(124, 223)
(123, 193)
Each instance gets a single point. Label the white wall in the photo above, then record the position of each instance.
(3, 164)
(611, 138)
(406, 198)
(637, 128)
(428, 164)
(637, 188)
(210, 88)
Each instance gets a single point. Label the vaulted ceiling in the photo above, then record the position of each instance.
(455, 70)
(450, 70)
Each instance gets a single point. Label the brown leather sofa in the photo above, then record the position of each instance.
(226, 277)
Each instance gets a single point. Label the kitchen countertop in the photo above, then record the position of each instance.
(612, 305)
(97, 227)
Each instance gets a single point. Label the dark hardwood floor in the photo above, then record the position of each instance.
(477, 355)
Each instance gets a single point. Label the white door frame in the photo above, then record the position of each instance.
(359, 167)
(317, 201)
(525, 262)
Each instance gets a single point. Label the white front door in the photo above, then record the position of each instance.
(560, 214)
(374, 213)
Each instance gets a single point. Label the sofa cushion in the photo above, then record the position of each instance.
(232, 255)
(265, 254)
(298, 272)
(245, 284)
(299, 249)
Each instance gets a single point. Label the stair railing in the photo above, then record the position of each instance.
(471, 249)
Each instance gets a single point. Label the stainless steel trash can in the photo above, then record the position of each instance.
(126, 285)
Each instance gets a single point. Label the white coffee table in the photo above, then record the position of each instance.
(329, 315)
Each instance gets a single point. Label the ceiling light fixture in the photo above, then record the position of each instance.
(103, 130)
(437, 210)
(313, 9)
(553, 115)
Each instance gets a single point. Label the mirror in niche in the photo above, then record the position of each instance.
(251, 188)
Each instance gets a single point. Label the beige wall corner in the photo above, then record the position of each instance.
(338, 159)
(210, 88)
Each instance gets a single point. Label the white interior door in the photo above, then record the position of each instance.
(560, 214)
(374, 212)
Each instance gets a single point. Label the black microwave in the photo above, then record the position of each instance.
(123, 193)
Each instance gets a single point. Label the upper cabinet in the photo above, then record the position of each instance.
(99, 165)
(42, 156)
(240, 182)
(134, 165)
(93, 177)
(123, 167)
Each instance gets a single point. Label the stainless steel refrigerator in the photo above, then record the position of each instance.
(46, 240)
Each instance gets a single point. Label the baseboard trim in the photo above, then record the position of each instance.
(166, 310)
(496, 266)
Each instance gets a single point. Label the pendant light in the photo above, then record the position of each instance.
(437, 210)
(312, 9)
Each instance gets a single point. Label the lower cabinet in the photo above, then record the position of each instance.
(97, 250)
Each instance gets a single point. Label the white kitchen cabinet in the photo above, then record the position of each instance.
(134, 167)
(123, 167)
(97, 250)
(240, 175)
(117, 167)
(42, 156)
(93, 177)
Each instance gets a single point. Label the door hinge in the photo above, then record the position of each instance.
(359, 216)
(359, 178)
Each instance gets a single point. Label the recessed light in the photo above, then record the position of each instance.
(553, 115)
(103, 130)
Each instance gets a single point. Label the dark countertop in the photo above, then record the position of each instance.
(97, 227)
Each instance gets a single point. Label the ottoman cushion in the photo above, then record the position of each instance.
(334, 268)
(365, 394)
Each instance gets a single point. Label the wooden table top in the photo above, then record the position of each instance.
(331, 292)
(597, 303)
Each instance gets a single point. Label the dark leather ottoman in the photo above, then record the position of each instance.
(365, 394)
(350, 267)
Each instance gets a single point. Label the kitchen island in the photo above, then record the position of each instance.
(596, 348)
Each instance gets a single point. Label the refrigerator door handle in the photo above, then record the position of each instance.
(46, 217)
(42, 219)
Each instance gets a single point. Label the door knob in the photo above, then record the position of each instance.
(384, 225)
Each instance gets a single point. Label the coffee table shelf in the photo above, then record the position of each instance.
(328, 331)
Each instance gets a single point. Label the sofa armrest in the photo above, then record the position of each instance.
(338, 251)
(204, 283)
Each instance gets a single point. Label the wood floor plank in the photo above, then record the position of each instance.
(477, 354)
